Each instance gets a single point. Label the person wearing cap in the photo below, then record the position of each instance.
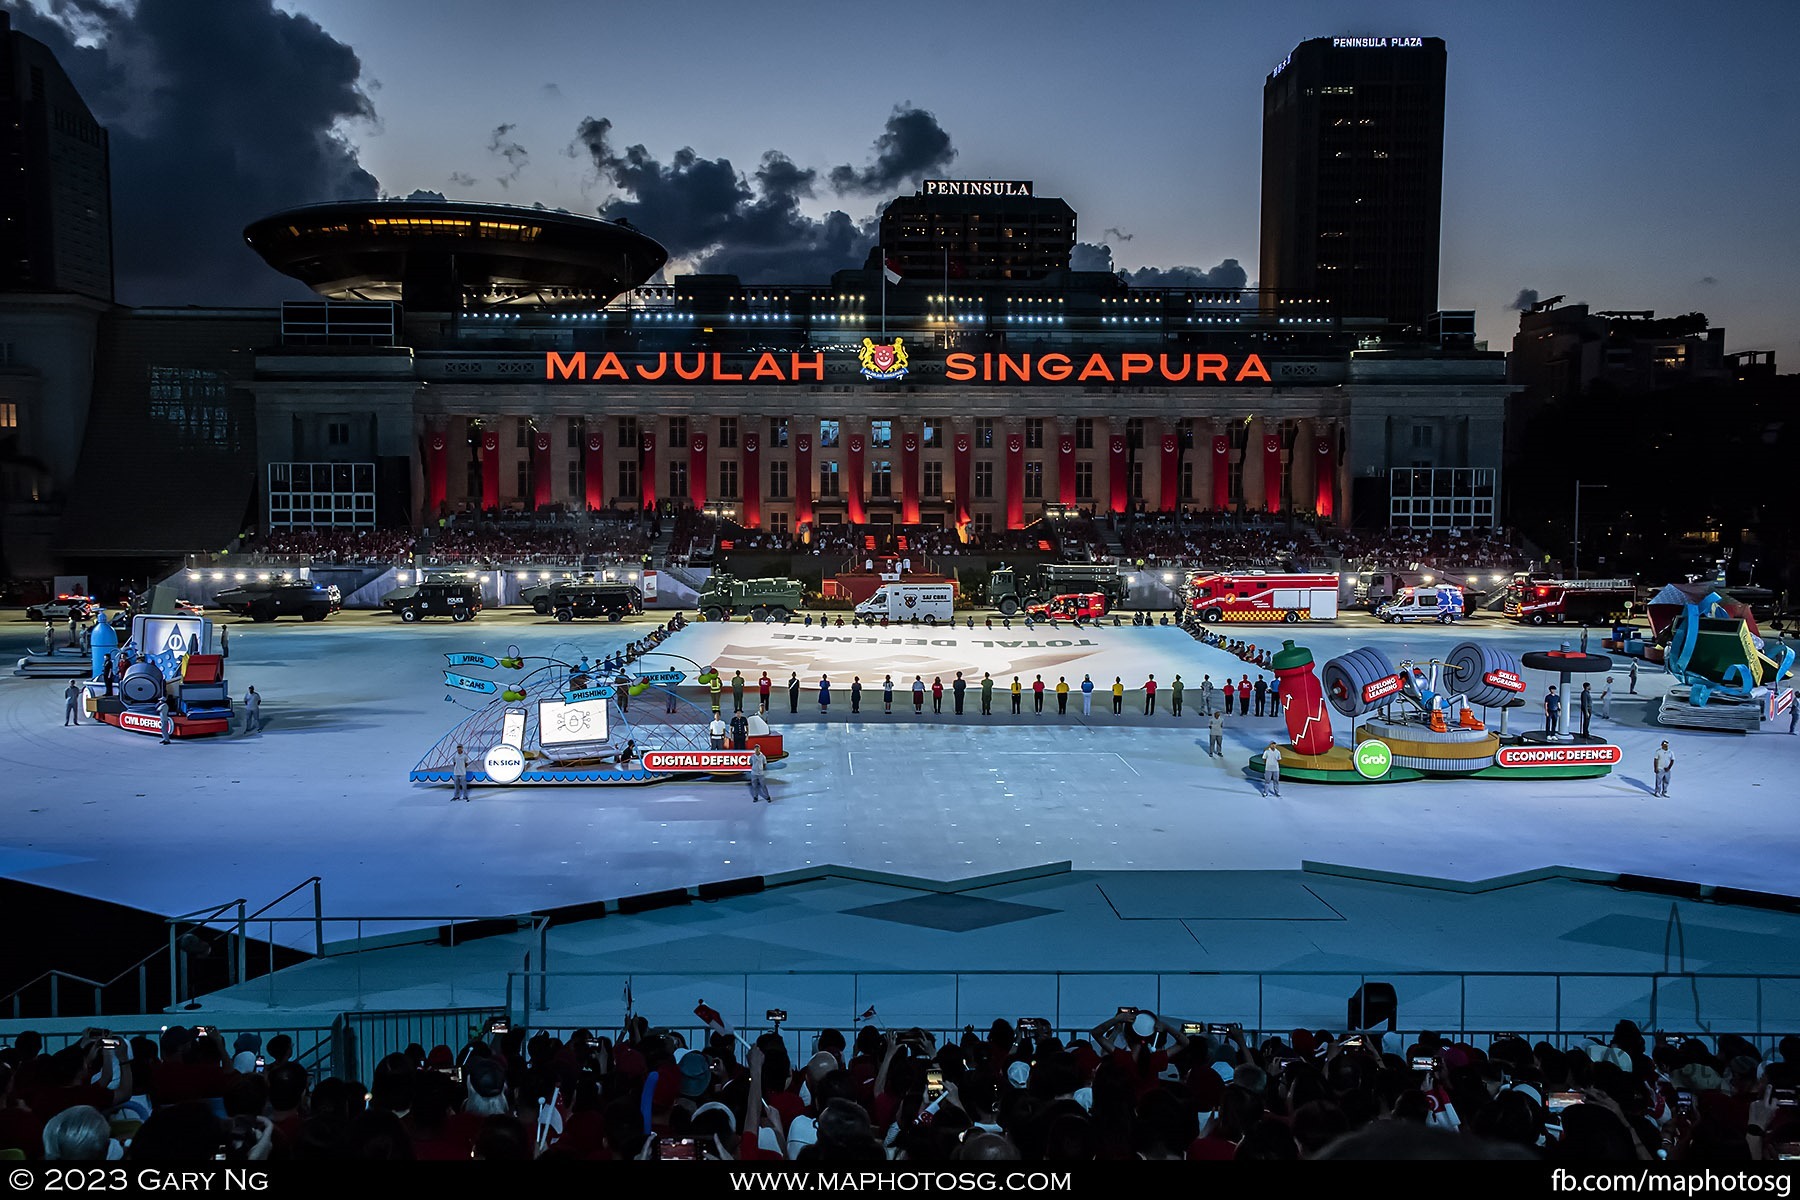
(1552, 711)
(1661, 764)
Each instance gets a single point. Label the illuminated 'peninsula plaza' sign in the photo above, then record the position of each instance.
(673, 366)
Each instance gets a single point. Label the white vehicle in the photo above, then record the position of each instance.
(1443, 603)
(930, 602)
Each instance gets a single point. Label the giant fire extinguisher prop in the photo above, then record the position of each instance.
(1302, 699)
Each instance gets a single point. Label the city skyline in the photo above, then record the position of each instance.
(1617, 165)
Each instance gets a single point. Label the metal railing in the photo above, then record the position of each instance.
(1538, 999)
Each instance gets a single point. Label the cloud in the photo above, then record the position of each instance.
(462, 179)
(708, 213)
(1524, 300)
(1709, 280)
(1228, 274)
(1091, 256)
(219, 112)
(502, 145)
(551, 92)
(424, 194)
(911, 146)
(1114, 233)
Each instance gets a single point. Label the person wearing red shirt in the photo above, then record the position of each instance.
(1037, 694)
(1243, 691)
(1149, 695)
(762, 688)
(937, 694)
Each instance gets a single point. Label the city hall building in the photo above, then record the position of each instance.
(482, 357)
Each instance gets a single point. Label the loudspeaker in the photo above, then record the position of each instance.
(1373, 1004)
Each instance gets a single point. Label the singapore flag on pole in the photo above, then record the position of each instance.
(890, 270)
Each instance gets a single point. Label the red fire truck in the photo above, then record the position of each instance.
(1582, 601)
(1261, 596)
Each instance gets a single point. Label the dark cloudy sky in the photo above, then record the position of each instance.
(1635, 154)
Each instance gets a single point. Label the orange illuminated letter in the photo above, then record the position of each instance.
(767, 368)
(573, 367)
(1210, 366)
(610, 368)
(816, 367)
(697, 372)
(1020, 366)
(1096, 369)
(1134, 364)
(662, 367)
(719, 369)
(959, 367)
(1187, 364)
(1055, 367)
(1253, 369)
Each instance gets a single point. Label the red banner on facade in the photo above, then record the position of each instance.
(1325, 469)
(909, 479)
(1065, 471)
(1015, 481)
(697, 470)
(437, 453)
(853, 479)
(490, 469)
(1271, 472)
(543, 479)
(593, 473)
(1171, 472)
(1116, 467)
(1221, 469)
(803, 480)
(647, 471)
(750, 480)
(960, 455)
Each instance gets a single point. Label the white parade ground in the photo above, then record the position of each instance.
(351, 704)
(348, 711)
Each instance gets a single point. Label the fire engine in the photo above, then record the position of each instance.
(1261, 596)
(1584, 601)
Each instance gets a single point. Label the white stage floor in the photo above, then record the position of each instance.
(350, 705)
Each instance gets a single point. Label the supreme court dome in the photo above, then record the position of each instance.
(450, 255)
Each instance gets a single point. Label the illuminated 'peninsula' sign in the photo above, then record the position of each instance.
(976, 187)
(674, 366)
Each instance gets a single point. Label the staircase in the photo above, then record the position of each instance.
(659, 547)
(1115, 546)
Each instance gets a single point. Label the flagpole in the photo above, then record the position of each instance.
(881, 256)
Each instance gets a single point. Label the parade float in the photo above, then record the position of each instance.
(166, 657)
(1418, 720)
(562, 721)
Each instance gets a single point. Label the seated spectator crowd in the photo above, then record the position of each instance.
(602, 537)
(1138, 1085)
(337, 547)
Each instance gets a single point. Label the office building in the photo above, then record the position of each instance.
(1352, 184)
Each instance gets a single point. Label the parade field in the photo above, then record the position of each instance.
(351, 706)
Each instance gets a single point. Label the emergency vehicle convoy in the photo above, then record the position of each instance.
(1261, 596)
(1583, 601)
(1010, 589)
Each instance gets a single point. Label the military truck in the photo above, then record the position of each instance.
(266, 601)
(1010, 589)
(538, 595)
(726, 595)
